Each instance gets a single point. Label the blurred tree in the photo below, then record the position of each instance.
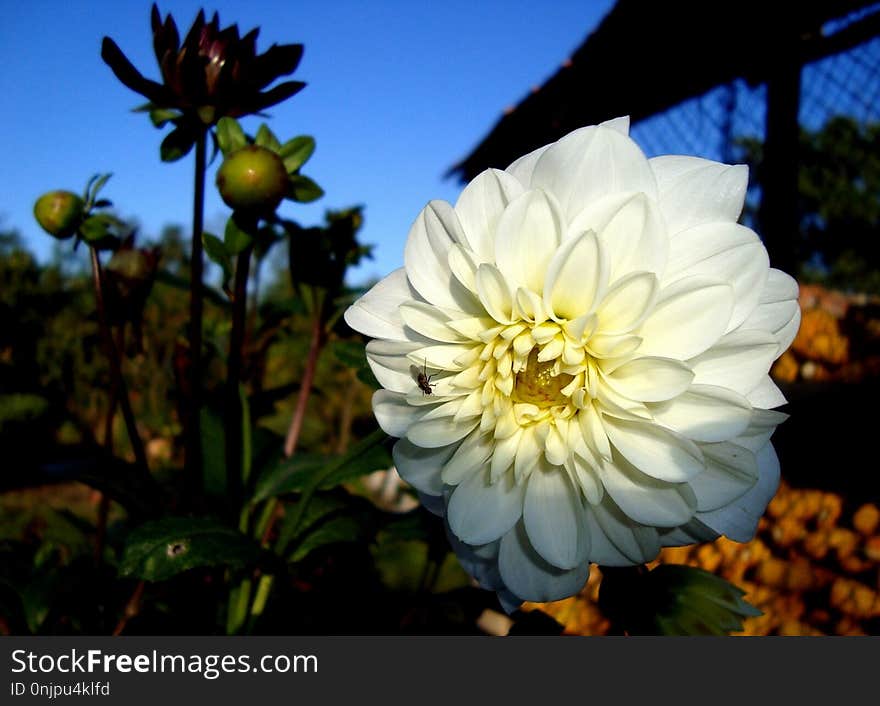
(838, 202)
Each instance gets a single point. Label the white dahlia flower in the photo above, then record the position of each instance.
(575, 361)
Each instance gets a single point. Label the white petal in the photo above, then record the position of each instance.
(451, 356)
(531, 578)
(441, 431)
(739, 520)
(731, 471)
(470, 457)
(587, 478)
(647, 500)
(479, 207)
(529, 231)
(694, 191)
(650, 379)
(495, 293)
(627, 303)
(389, 363)
(689, 317)
(766, 395)
(778, 310)
(705, 413)
(694, 532)
(589, 163)
(576, 277)
(602, 550)
(658, 452)
(528, 452)
(738, 361)
(522, 168)
(479, 512)
(429, 321)
(376, 313)
(727, 252)
(426, 258)
(421, 467)
(393, 412)
(551, 516)
(761, 427)
(634, 238)
(620, 124)
(463, 265)
(639, 544)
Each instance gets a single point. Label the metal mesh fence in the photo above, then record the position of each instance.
(710, 125)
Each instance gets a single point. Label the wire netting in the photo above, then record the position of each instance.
(710, 125)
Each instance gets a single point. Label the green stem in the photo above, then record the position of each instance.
(193, 443)
(115, 365)
(232, 404)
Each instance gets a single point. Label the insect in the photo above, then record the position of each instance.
(423, 380)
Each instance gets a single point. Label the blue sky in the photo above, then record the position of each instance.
(397, 92)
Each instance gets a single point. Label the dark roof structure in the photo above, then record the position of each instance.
(648, 56)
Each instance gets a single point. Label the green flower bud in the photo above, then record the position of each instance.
(59, 213)
(252, 179)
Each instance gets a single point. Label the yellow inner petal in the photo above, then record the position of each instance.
(538, 386)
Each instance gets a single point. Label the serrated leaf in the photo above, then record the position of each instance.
(302, 189)
(235, 238)
(266, 138)
(296, 152)
(230, 136)
(160, 549)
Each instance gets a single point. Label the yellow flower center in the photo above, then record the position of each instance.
(538, 386)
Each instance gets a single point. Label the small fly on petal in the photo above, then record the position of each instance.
(423, 380)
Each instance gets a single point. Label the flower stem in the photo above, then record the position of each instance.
(232, 404)
(308, 379)
(193, 441)
(299, 413)
(115, 366)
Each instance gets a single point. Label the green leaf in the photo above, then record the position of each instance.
(213, 452)
(163, 548)
(97, 186)
(177, 144)
(331, 518)
(302, 189)
(161, 116)
(216, 252)
(236, 238)
(304, 470)
(230, 136)
(265, 138)
(96, 229)
(296, 152)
